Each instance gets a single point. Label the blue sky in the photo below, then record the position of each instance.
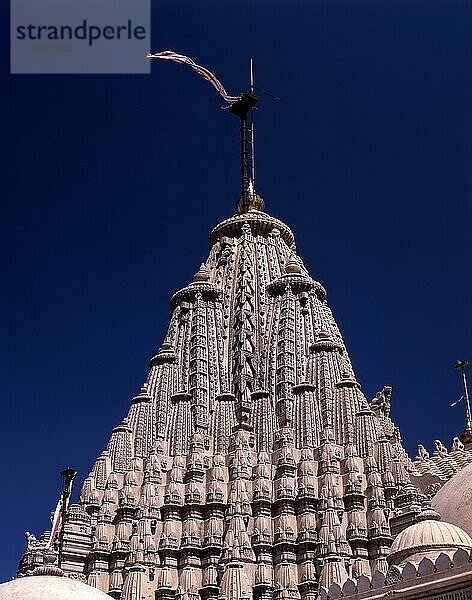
(111, 185)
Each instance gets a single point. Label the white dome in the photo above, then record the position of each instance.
(454, 500)
(426, 537)
(47, 587)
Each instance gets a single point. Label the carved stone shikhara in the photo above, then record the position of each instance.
(251, 465)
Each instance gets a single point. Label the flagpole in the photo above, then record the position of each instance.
(467, 434)
(68, 475)
(253, 141)
(240, 106)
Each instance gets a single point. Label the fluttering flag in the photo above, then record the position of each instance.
(205, 73)
(62, 505)
(56, 523)
(457, 401)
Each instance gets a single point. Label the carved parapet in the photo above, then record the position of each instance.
(307, 491)
(165, 355)
(192, 542)
(298, 283)
(402, 581)
(213, 541)
(143, 396)
(260, 223)
(357, 536)
(123, 427)
(168, 543)
(194, 496)
(215, 497)
(284, 537)
(348, 382)
(76, 515)
(173, 498)
(208, 291)
(303, 387)
(261, 540)
(101, 549)
(325, 343)
(284, 493)
(307, 537)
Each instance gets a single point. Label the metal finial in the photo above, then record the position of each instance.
(239, 106)
(466, 436)
(249, 199)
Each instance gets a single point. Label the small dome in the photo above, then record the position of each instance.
(427, 538)
(45, 587)
(453, 500)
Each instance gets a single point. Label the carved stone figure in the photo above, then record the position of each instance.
(440, 447)
(31, 540)
(423, 454)
(381, 402)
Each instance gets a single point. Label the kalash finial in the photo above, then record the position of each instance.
(241, 106)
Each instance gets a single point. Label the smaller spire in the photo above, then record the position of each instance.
(466, 436)
(292, 267)
(202, 275)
